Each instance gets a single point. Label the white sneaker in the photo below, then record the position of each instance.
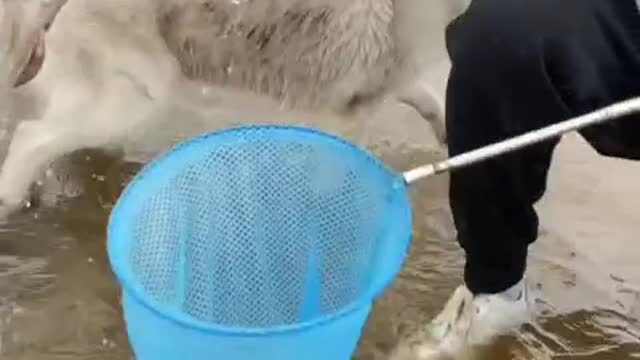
(468, 321)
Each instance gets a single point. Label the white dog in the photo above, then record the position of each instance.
(106, 68)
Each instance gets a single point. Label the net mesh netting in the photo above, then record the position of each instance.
(260, 227)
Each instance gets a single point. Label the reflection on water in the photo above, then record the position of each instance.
(58, 298)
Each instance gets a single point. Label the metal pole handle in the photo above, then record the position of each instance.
(611, 112)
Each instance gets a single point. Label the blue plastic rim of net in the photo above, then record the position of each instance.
(261, 242)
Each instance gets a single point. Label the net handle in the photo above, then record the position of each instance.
(602, 115)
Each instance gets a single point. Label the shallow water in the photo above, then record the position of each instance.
(59, 300)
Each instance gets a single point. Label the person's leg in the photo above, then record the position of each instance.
(518, 65)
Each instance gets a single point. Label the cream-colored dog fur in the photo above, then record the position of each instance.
(112, 65)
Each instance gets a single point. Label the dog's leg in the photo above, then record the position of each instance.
(34, 145)
(90, 121)
(425, 101)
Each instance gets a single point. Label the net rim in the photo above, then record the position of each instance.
(116, 233)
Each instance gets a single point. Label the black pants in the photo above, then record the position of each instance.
(519, 65)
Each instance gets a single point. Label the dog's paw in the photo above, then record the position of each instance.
(8, 208)
(11, 204)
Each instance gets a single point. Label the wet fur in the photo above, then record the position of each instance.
(112, 66)
(315, 55)
(425, 342)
